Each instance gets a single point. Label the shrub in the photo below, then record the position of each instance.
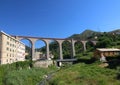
(84, 74)
(11, 74)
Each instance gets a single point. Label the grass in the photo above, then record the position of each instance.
(25, 76)
(86, 71)
(85, 74)
(12, 74)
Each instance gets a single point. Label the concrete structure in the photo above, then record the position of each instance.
(11, 49)
(102, 53)
(39, 55)
(43, 63)
(58, 40)
(59, 62)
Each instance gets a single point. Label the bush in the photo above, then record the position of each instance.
(25, 76)
(83, 74)
(11, 74)
(23, 64)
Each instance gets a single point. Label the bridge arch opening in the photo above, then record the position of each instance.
(90, 46)
(67, 49)
(40, 50)
(78, 48)
(28, 48)
(54, 49)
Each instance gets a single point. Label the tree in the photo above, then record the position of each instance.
(104, 42)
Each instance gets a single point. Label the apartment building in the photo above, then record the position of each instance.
(11, 49)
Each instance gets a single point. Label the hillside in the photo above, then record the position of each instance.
(85, 34)
(115, 31)
(83, 74)
(90, 34)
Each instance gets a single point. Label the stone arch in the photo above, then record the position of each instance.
(28, 47)
(54, 49)
(40, 49)
(78, 47)
(23, 38)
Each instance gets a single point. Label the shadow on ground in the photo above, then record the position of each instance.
(113, 62)
(118, 76)
(86, 61)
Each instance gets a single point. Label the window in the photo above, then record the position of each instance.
(7, 55)
(7, 48)
(7, 60)
(8, 37)
(7, 43)
(10, 50)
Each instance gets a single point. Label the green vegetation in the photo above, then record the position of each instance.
(26, 76)
(85, 74)
(20, 73)
(86, 71)
(105, 40)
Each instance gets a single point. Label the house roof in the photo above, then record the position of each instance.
(108, 49)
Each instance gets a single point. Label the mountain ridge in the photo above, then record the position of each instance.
(89, 34)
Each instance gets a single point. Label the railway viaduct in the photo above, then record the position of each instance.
(58, 40)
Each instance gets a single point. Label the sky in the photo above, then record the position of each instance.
(58, 18)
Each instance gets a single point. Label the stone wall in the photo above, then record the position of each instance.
(43, 63)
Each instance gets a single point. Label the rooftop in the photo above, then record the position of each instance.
(108, 49)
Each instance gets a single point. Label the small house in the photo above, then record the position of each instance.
(106, 52)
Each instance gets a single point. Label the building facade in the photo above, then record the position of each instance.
(11, 49)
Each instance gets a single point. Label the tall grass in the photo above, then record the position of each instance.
(82, 74)
(25, 76)
(4, 69)
(19, 73)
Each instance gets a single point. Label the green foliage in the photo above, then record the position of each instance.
(78, 47)
(82, 74)
(25, 76)
(28, 49)
(107, 40)
(87, 34)
(66, 49)
(28, 57)
(90, 47)
(54, 48)
(22, 64)
(118, 74)
(79, 74)
(19, 73)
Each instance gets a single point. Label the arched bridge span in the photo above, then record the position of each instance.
(58, 40)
